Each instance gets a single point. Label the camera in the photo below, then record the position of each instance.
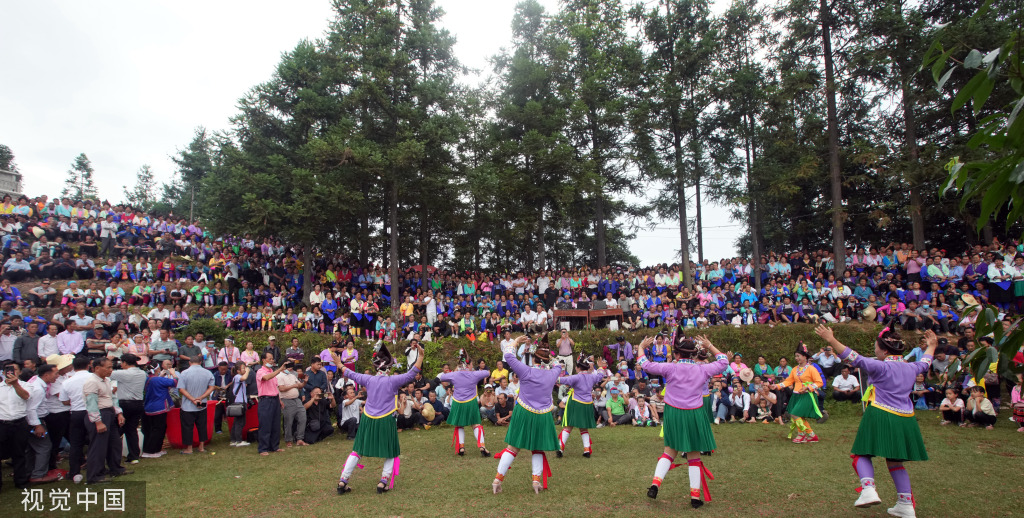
(9, 371)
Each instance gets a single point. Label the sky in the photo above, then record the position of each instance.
(127, 83)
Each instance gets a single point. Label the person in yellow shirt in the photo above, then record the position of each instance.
(805, 381)
(499, 372)
(406, 308)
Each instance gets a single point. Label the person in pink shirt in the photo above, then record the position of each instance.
(686, 427)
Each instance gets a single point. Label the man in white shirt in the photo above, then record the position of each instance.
(348, 413)
(540, 321)
(14, 398)
(71, 395)
(739, 404)
(159, 312)
(48, 343)
(846, 387)
(58, 413)
(7, 339)
(108, 235)
(38, 453)
(527, 318)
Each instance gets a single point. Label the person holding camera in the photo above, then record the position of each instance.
(290, 385)
(237, 394)
(195, 384)
(14, 427)
(317, 405)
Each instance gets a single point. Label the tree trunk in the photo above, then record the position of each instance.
(838, 216)
(753, 220)
(307, 271)
(684, 230)
(700, 226)
(393, 266)
(424, 250)
(541, 256)
(599, 228)
(910, 128)
(475, 234)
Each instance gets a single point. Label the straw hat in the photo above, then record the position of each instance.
(746, 374)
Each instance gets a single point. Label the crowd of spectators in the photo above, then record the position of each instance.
(97, 343)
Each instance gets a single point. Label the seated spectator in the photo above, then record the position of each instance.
(487, 402)
(643, 414)
(923, 395)
(616, 408)
(846, 387)
(979, 410)
(318, 415)
(739, 405)
(349, 411)
(952, 409)
(503, 410)
(409, 412)
(440, 412)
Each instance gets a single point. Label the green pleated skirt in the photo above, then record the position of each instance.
(579, 415)
(688, 430)
(464, 414)
(531, 431)
(804, 404)
(377, 437)
(887, 435)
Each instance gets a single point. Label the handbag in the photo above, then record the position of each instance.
(235, 409)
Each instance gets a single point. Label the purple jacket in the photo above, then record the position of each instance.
(464, 384)
(893, 380)
(582, 385)
(535, 384)
(686, 382)
(381, 391)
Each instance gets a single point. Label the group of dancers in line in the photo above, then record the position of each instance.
(888, 428)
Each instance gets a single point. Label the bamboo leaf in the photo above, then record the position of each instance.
(968, 91)
(945, 77)
(973, 59)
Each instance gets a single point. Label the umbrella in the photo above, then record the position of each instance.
(419, 268)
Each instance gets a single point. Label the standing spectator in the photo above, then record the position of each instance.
(846, 387)
(13, 424)
(131, 384)
(290, 387)
(237, 394)
(46, 346)
(72, 396)
(194, 384)
(157, 404)
(58, 413)
(38, 452)
(104, 426)
(222, 382)
(108, 235)
(269, 406)
(26, 346)
(229, 353)
(188, 352)
(565, 351)
(272, 348)
(164, 348)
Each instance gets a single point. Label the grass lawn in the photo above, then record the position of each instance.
(972, 472)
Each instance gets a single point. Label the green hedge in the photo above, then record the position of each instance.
(772, 342)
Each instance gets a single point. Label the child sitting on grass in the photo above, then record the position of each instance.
(764, 412)
(979, 409)
(952, 409)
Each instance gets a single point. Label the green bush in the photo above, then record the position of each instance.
(772, 342)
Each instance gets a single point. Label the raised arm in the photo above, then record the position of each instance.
(509, 357)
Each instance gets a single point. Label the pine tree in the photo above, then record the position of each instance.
(143, 194)
(79, 184)
(7, 159)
